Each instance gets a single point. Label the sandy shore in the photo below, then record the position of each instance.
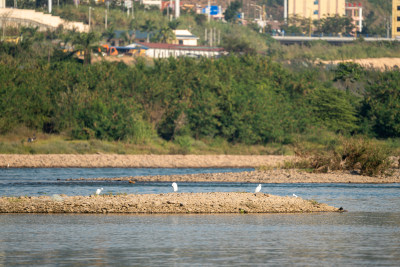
(137, 161)
(273, 175)
(163, 203)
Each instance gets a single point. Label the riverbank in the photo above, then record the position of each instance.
(273, 173)
(138, 161)
(180, 203)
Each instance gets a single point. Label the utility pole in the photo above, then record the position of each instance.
(90, 17)
(177, 9)
(388, 25)
(285, 10)
(208, 11)
(106, 19)
(211, 37)
(170, 7)
(215, 36)
(105, 22)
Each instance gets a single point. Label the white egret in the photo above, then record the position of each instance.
(258, 189)
(98, 191)
(175, 186)
(294, 195)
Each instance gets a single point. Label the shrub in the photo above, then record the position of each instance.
(353, 154)
(185, 144)
(360, 153)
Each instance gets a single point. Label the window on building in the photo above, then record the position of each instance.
(398, 7)
(315, 12)
(398, 18)
(316, 2)
(398, 29)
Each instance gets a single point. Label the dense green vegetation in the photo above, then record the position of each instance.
(241, 99)
(264, 98)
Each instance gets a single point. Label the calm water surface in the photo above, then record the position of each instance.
(367, 235)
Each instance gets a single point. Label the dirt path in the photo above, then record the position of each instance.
(377, 63)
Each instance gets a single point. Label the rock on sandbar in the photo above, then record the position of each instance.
(178, 203)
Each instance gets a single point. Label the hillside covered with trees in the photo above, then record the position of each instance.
(247, 99)
(261, 94)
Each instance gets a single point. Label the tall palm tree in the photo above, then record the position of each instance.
(148, 27)
(174, 24)
(85, 42)
(165, 35)
(109, 33)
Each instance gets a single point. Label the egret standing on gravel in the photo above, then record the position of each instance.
(258, 189)
(98, 191)
(175, 186)
(294, 195)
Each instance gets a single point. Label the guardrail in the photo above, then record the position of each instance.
(302, 39)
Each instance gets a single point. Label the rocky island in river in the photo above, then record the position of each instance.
(177, 203)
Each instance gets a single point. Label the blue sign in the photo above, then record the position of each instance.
(214, 10)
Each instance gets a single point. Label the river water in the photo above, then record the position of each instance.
(367, 235)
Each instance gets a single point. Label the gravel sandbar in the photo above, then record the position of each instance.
(177, 203)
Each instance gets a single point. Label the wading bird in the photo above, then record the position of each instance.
(294, 195)
(175, 186)
(258, 189)
(98, 191)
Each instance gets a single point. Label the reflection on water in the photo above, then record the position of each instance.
(273, 239)
(367, 235)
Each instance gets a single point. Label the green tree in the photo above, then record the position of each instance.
(332, 108)
(232, 11)
(335, 25)
(381, 105)
(148, 27)
(237, 44)
(174, 24)
(85, 42)
(165, 35)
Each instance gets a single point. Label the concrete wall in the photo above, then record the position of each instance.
(396, 19)
(165, 53)
(12, 16)
(317, 9)
(191, 42)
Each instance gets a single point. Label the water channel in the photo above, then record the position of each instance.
(367, 235)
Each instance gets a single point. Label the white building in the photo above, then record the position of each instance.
(158, 50)
(151, 3)
(184, 37)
